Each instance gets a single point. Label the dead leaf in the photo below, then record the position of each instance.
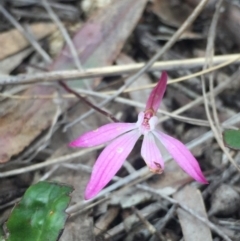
(10, 63)
(224, 201)
(98, 43)
(100, 40)
(172, 13)
(13, 41)
(23, 120)
(170, 180)
(192, 228)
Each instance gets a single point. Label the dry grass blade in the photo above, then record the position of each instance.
(192, 198)
(144, 171)
(147, 66)
(58, 160)
(135, 175)
(103, 56)
(64, 33)
(220, 61)
(30, 38)
(42, 111)
(124, 101)
(211, 225)
(210, 51)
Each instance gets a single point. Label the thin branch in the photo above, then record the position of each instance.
(210, 50)
(162, 222)
(147, 66)
(211, 225)
(49, 162)
(65, 34)
(175, 114)
(148, 225)
(122, 100)
(121, 182)
(27, 35)
(218, 89)
(71, 46)
(146, 211)
(36, 45)
(9, 95)
(68, 89)
(210, 44)
(141, 105)
(186, 77)
(220, 61)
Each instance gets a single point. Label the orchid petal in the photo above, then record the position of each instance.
(151, 154)
(110, 161)
(157, 93)
(182, 156)
(102, 134)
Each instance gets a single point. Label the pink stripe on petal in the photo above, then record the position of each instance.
(157, 93)
(182, 156)
(151, 154)
(102, 135)
(110, 161)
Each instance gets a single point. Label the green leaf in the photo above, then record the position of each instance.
(232, 139)
(40, 215)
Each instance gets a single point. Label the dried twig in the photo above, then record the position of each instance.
(218, 89)
(148, 225)
(145, 212)
(36, 45)
(103, 112)
(27, 35)
(138, 104)
(123, 101)
(48, 59)
(163, 222)
(209, 50)
(51, 162)
(76, 61)
(219, 61)
(146, 67)
(144, 171)
(211, 225)
(173, 114)
(65, 34)
(126, 90)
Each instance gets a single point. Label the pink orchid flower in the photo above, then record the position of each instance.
(125, 135)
